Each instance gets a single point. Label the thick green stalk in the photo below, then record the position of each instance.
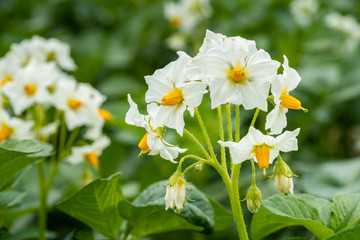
(42, 211)
(228, 111)
(237, 126)
(221, 133)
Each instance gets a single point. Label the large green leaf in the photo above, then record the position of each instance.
(284, 211)
(346, 211)
(348, 234)
(147, 215)
(96, 205)
(10, 198)
(16, 155)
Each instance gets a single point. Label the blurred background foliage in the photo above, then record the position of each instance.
(116, 43)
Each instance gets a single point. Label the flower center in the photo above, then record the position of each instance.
(50, 56)
(93, 159)
(5, 132)
(6, 79)
(172, 98)
(105, 114)
(175, 21)
(143, 144)
(238, 74)
(290, 102)
(30, 89)
(74, 104)
(262, 155)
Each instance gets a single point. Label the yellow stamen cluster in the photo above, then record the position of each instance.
(290, 102)
(106, 115)
(143, 144)
(50, 56)
(74, 104)
(5, 132)
(262, 154)
(93, 159)
(30, 89)
(175, 21)
(238, 74)
(6, 79)
(172, 98)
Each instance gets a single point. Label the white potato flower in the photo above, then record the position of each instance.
(237, 72)
(90, 152)
(171, 92)
(14, 128)
(304, 11)
(29, 85)
(280, 88)
(152, 142)
(262, 148)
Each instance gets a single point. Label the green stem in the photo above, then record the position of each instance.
(221, 133)
(206, 136)
(253, 171)
(237, 133)
(196, 141)
(255, 117)
(228, 111)
(42, 211)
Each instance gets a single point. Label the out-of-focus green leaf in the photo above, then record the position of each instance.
(10, 198)
(351, 233)
(16, 155)
(284, 211)
(223, 217)
(147, 215)
(96, 205)
(346, 211)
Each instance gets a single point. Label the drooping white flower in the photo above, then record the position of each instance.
(14, 128)
(152, 142)
(90, 152)
(280, 88)
(171, 93)
(304, 11)
(76, 100)
(175, 197)
(262, 148)
(237, 72)
(29, 85)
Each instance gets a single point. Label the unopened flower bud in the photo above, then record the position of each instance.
(283, 177)
(175, 197)
(253, 198)
(199, 167)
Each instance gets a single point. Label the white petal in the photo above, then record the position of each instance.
(254, 94)
(193, 93)
(287, 141)
(292, 76)
(220, 91)
(133, 116)
(276, 119)
(240, 151)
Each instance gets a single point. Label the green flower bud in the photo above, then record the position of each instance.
(253, 198)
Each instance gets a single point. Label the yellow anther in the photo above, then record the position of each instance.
(175, 21)
(74, 104)
(5, 132)
(262, 154)
(172, 98)
(143, 144)
(93, 159)
(7, 78)
(238, 74)
(290, 102)
(30, 89)
(106, 115)
(50, 56)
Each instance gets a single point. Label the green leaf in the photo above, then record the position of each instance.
(283, 211)
(96, 205)
(10, 198)
(351, 233)
(346, 211)
(147, 215)
(16, 155)
(223, 217)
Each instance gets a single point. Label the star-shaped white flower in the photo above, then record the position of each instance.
(153, 142)
(237, 72)
(171, 92)
(262, 148)
(280, 88)
(14, 128)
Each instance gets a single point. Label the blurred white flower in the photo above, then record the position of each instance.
(171, 92)
(187, 14)
(280, 88)
(237, 72)
(262, 148)
(90, 152)
(14, 128)
(176, 42)
(304, 11)
(29, 85)
(152, 142)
